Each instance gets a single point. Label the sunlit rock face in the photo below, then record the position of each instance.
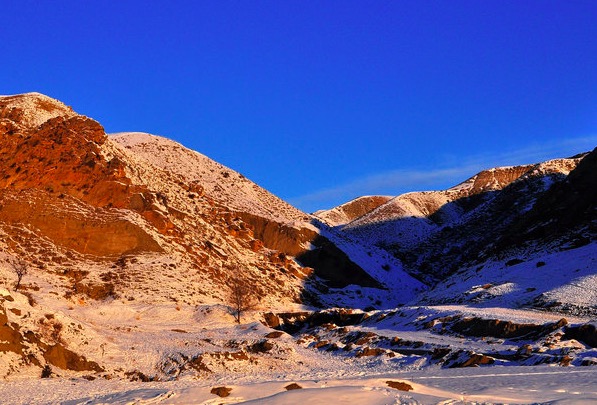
(57, 178)
(68, 191)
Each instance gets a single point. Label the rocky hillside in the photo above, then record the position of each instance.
(96, 197)
(279, 225)
(515, 237)
(470, 230)
(95, 219)
(434, 232)
(567, 210)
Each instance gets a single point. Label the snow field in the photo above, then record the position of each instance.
(524, 385)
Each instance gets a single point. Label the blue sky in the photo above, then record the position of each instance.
(321, 102)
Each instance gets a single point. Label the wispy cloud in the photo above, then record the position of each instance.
(442, 175)
(540, 152)
(383, 183)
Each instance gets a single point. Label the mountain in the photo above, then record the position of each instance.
(139, 218)
(136, 270)
(273, 222)
(94, 196)
(420, 227)
(515, 237)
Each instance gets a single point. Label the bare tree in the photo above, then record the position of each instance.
(20, 269)
(241, 297)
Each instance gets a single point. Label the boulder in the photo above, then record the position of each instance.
(61, 357)
(586, 334)
(222, 392)
(399, 385)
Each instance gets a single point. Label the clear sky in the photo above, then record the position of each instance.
(322, 101)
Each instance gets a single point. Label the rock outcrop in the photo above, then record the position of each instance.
(57, 178)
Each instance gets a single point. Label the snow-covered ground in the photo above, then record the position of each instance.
(565, 277)
(162, 340)
(385, 268)
(520, 385)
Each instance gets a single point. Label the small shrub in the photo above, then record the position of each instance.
(241, 297)
(21, 270)
(46, 372)
(30, 298)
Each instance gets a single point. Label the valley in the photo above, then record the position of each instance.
(482, 293)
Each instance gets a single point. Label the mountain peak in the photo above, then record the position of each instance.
(351, 210)
(31, 110)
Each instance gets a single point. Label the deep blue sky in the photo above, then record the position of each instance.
(322, 101)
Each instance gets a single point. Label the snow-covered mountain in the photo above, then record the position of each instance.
(71, 194)
(119, 255)
(511, 236)
(151, 194)
(140, 218)
(435, 234)
(410, 219)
